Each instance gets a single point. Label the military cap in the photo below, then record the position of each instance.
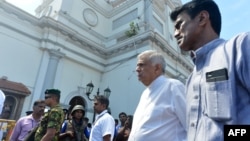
(53, 91)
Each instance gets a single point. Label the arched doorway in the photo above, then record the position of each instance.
(9, 107)
(15, 94)
(77, 100)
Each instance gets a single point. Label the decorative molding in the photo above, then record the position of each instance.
(160, 13)
(112, 12)
(160, 4)
(47, 11)
(88, 45)
(56, 54)
(121, 47)
(90, 17)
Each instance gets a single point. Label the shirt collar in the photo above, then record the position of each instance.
(102, 113)
(193, 55)
(202, 51)
(156, 82)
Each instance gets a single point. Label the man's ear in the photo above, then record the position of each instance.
(158, 68)
(203, 17)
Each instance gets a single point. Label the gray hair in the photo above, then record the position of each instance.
(154, 57)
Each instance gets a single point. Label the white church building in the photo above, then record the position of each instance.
(70, 43)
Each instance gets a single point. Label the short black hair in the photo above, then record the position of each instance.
(194, 7)
(116, 121)
(89, 125)
(122, 113)
(28, 112)
(103, 100)
(38, 102)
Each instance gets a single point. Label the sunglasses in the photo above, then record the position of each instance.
(46, 97)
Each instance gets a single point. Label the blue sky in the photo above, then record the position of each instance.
(235, 14)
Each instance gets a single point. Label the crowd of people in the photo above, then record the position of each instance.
(217, 92)
(59, 124)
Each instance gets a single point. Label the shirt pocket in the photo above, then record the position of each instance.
(219, 100)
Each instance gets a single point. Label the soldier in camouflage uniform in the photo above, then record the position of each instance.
(50, 124)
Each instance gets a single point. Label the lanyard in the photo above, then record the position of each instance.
(99, 116)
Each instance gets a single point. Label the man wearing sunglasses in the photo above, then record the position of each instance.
(50, 124)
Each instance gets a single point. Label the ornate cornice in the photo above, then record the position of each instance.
(119, 48)
(111, 12)
(85, 44)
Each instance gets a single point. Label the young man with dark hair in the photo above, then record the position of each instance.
(104, 125)
(218, 89)
(122, 118)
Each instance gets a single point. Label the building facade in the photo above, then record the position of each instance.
(71, 43)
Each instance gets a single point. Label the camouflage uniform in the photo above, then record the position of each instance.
(78, 130)
(52, 119)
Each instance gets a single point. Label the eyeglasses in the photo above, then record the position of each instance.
(46, 97)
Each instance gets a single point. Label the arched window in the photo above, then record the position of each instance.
(9, 107)
(77, 100)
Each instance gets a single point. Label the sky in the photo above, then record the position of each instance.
(235, 14)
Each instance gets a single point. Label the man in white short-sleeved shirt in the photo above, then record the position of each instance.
(104, 125)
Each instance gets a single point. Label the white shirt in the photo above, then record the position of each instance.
(160, 114)
(2, 99)
(104, 125)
